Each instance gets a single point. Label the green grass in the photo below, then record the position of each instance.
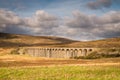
(62, 73)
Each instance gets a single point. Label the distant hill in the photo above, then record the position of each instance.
(104, 43)
(16, 40)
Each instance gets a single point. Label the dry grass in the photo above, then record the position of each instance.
(4, 51)
(18, 60)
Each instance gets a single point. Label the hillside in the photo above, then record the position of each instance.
(15, 40)
(104, 43)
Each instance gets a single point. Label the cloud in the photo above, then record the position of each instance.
(105, 26)
(79, 20)
(8, 21)
(80, 26)
(42, 19)
(8, 18)
(98, 4)
(40, 23)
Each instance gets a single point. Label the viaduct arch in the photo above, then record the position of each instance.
(57, 52)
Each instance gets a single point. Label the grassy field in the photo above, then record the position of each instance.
(16, 67)
(61, 73)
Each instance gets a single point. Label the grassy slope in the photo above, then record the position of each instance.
(14, 40)
(105, 43)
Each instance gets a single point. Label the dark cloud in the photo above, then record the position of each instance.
(98, 4)
(16, 30)
(10, 22)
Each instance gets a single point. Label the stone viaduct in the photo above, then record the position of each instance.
(56, 52)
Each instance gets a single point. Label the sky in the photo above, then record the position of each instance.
(75, 19)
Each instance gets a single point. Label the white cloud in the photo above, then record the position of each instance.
(8, 18)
